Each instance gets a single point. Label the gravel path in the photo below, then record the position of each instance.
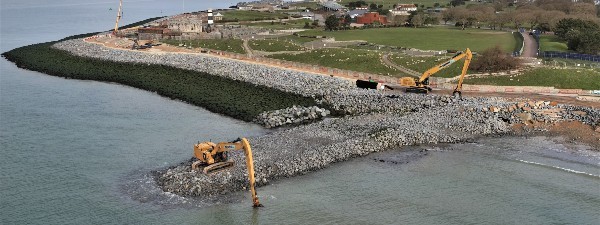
(373, 121)
(386, 60)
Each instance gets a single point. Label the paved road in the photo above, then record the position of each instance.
(531, 47)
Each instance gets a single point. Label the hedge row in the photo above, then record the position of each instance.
(236, 99)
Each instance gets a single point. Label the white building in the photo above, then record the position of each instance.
(403, 9)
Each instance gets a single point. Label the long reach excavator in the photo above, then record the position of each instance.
(421, 85)
(215, 157)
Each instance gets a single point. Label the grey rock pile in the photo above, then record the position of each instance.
(291, 115)
(297, 82)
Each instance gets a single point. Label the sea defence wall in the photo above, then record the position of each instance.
(373, 121)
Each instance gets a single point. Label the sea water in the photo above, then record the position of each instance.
(81, 152)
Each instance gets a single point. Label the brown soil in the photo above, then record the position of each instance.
(565, 99)
(572, 131)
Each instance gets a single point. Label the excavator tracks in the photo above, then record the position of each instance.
(216, 167)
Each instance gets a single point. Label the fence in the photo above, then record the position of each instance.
(519, 45)
(570, 55)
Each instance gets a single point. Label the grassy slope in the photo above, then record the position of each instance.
(552, 43)
(387, 4)
(227, 45)
(349, 59)
(292, 24)
(433, 38)
(586, 79)
(242, 15)
(233, 98)
(296, 39)
(422, 64)
(274, 45)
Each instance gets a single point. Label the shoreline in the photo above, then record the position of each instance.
(370, 121)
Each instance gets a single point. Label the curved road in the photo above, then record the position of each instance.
(530, 46)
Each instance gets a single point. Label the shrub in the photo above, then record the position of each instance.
(494, 60)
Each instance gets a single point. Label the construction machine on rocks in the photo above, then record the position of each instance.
(421, 84)
(215, 157)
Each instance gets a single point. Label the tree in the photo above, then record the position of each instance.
(306, 25)
(580, 8)
(494, 60)
(347, 20)
(432, 19)
(373, 6)
(462, 17)
(332, 22)
(448, 15)
(565, 25)
(581, 36)
(589, 42)
(483, 14)
(417, 20)
(455, 3)
(499, 5)
(400, 20)
(549, 19)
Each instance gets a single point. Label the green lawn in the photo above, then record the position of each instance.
(560, 62)
(348, 59)
(292, 24)
(312, 5)
(422, 64)
(297, 39)
(432, 38)
(387, 4)
(227, 45)
(552, 43)
(586, 79)
(241, 15)
(274, 45)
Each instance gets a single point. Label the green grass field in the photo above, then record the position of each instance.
(387, 4)
(241, 15)
(552, 43)
(422, 64)
(292, 24)
(296, 39)
(348, 59)
(586, 79)
(227, 45)
(559, 62)
(312, 5)
(274, 45)
(433, 38)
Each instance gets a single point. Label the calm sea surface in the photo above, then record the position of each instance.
(79, 152)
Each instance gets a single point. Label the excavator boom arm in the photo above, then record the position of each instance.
(118, 16)
(250, 165)
(468, 58)
(441, 66)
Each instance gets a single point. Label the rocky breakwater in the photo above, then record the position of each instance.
(289, 116)
(370, 122)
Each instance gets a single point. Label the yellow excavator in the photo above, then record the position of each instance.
(215, 157)
(421, 85)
